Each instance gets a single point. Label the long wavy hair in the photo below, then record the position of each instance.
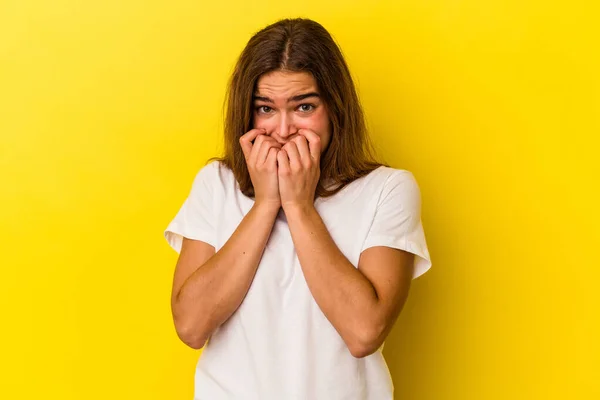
(300, 45)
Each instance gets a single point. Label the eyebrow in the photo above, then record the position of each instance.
(299, 97)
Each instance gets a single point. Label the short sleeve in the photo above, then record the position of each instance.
(397, 221)
(196, 217)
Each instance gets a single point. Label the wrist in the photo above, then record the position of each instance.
(267, 206)
(297, 208)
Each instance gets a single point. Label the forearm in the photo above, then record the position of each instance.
(344, 294)
(217, 288)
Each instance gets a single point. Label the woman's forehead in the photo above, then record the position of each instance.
(285, 83)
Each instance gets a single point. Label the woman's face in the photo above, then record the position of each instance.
(287, 101)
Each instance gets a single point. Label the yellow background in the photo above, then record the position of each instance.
(109, 108)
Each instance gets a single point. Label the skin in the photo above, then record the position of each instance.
(288, 108)
(282, 153)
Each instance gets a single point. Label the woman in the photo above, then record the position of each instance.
(296, 249)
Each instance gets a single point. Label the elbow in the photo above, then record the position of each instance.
(191, 339)
(190, 335)
(195, 343)
(361, 350)
(365, 343)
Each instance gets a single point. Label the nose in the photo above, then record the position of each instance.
(286, 125)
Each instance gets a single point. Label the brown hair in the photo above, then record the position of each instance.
(300, 45)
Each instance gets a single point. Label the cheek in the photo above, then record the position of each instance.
(269, 124)
(318, 122)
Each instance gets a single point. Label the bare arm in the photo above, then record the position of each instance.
(361, 303)
(208, 287)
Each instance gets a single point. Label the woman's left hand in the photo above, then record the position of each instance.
(299, 170)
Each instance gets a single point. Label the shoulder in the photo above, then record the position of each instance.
(397, 173)
(213, 171)
(389, 177)
(211, 177)
(400, 184)
(209, 169)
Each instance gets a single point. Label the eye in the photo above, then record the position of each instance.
(306, 107)
(264, 109)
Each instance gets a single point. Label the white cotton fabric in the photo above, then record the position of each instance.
(278, 344)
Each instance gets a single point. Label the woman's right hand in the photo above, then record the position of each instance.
(260, 152)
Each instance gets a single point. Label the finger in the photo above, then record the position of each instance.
(265, 150)
(293, 155)
(247, 138)
(272, 158)
(258, 144)
(314, 143)
(283, 163)
(303, 150)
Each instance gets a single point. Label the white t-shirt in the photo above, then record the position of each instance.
(278, 345)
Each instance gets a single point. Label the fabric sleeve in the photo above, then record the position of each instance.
(196, 217)
(397, 222)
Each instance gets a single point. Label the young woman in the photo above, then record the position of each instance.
(296, 249)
